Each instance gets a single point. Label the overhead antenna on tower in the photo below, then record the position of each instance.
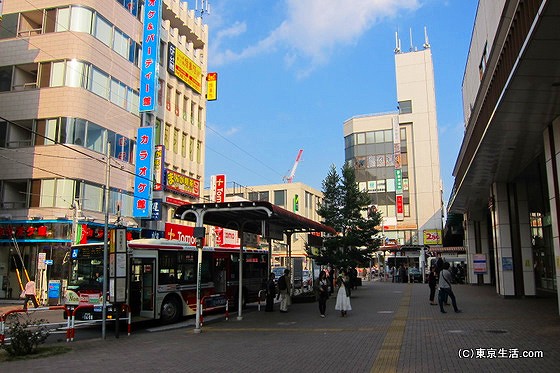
(397, 42)
(411, 45)
(426, 42)
(204, 7)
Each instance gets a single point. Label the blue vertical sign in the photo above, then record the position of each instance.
(150, 51)
(143, 177)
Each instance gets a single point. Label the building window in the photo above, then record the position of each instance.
(176, 139)
(167, 135)
(405, 107)
(280, 197)
(191, 149)
(184, 140)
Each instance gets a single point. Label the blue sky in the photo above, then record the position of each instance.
(290, 72)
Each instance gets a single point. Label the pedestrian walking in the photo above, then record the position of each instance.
(323, 292)
(330, 279)
(432, 283)
(270, 293)
(445, 288)
(284, 290)
(343, 295)
(29, 294)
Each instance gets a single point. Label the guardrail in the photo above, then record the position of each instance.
(71, 323)
(4, 316)
(206, 298)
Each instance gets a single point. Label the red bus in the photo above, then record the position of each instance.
(162, 277)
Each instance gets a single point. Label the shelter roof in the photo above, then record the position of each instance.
(250, 215)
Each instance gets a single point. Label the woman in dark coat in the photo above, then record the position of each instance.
(432, 283)
(270, 293)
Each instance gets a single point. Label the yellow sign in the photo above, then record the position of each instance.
(212, 86)
(432, 237)
(184, 68)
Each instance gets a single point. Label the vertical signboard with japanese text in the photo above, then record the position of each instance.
(159, 158)
(144, 167)
(150, 51)
(398, 170)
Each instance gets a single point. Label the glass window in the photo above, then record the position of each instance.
(167, 135)
(280, 197)
(47, 193)
(184, 145)
(9, 26)
(120, 44)
(99, 83)
(135, 100)
(92, 197)
(176, 139)
(191, 149)
(95, 137)
(391, 210)
(405, 107)
(388, 135)
(64, 193)
(379, 138)
(370, 137)
(390, 185)
(5, 78)
(103, 30)
(50, 131)
(63, 20)
(81, 20)
(57, 74)
(361, 138)
(79, 132)
(348, 141)
(75, 74)
(380, 185)
(403, 134)
(118, 93)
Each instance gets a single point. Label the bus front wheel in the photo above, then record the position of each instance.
(170, 310)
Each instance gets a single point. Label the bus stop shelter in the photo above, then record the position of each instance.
(257, 217)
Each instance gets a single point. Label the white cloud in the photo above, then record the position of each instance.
(312, 29)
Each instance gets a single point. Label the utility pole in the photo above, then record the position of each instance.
(106, 241)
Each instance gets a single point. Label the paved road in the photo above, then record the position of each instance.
(392, 328)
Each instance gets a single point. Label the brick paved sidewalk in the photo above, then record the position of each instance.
(392, 328)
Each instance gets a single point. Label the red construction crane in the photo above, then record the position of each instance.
(290, 176)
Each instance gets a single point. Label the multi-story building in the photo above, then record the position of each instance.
(295, 197)
(73, 89)
(506, 175)
(396, 156)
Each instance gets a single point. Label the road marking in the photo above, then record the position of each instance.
(295, 330)
(388, 357)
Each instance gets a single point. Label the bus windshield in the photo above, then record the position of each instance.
(87, 268)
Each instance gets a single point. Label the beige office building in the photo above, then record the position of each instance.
(71, 91)
(396, 156)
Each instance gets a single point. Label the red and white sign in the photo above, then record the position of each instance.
(226, 237)
(181, 233)
(230, 238)
(220, 188)
(175, 201)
